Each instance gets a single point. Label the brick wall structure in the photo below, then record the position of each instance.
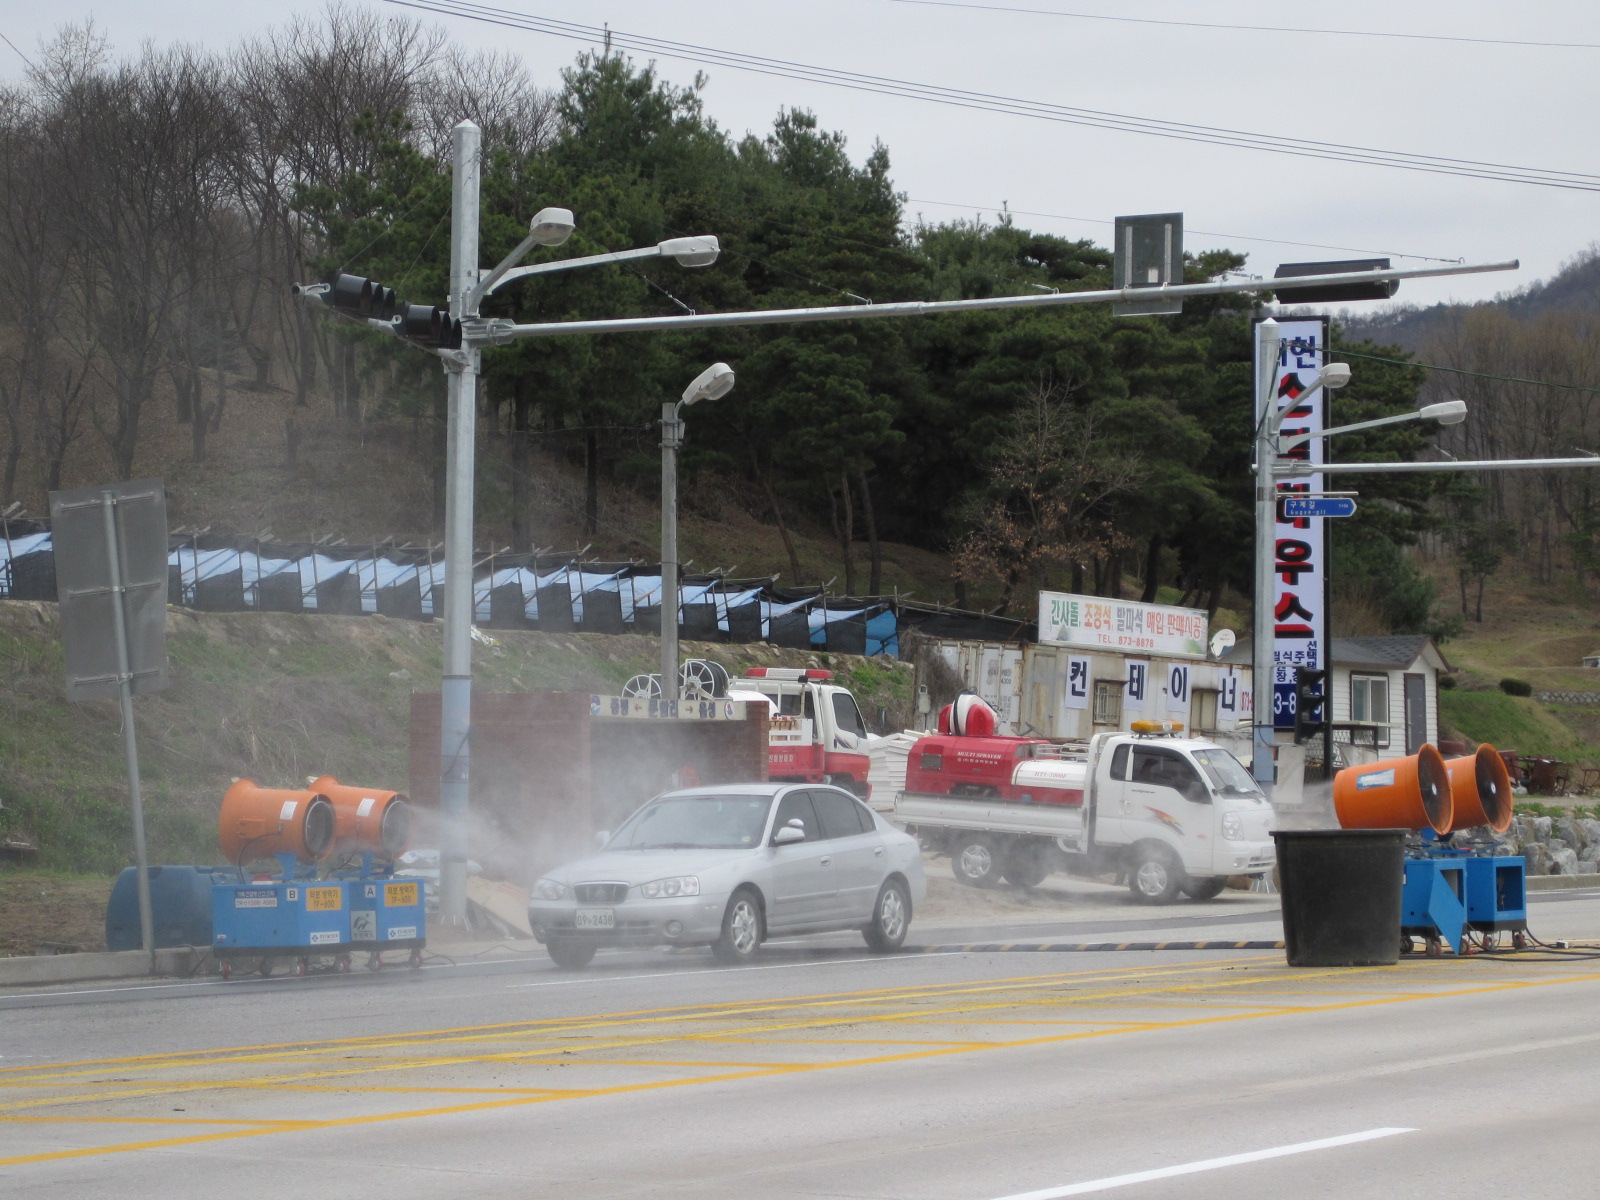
(547, 773)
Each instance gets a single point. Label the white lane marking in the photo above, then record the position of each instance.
(691, 973)
(1207, 1164)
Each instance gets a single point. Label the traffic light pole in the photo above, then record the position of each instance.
(455, 695)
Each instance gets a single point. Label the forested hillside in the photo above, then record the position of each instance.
(155, 210)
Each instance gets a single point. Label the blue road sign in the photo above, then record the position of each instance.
(1296, 507)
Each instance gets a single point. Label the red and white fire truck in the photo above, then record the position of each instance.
(817, 734)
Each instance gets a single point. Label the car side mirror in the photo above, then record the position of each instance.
(788, 836)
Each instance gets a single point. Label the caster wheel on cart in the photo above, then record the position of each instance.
(374, 961)
(416, 958)
(343, 965)
(1406, 944)
(1519, 940)
(227, 969)
(265, 968)
(302, 966)
(1435, 948)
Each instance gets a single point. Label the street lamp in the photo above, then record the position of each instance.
(1270, 449)
(711, 384)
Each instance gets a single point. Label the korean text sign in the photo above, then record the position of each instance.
(1096, 623)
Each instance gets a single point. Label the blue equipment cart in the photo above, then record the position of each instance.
(297, 917)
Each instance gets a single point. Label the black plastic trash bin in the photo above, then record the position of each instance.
(1341, 895)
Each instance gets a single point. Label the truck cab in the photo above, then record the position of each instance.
(1184, 812)
(816, 733)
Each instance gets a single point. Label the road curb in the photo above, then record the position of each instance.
(1562, 883)
(33, 970)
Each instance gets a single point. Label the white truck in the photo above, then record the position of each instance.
(1171, 814)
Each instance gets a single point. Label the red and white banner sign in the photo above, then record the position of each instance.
(1300, 566)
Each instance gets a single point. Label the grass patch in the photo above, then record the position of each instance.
(1510, 723)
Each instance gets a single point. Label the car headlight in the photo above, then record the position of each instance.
(549, 889)
(1232, 827)
(677, 885)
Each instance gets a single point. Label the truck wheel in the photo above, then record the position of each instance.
(1027, 866)
(891, 917)
(1208, 888)
(741, 929)
(975, 860)
(1156, 877)
(571, 954)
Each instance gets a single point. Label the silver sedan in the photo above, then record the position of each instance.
(729, 867)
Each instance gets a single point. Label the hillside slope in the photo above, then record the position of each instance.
(278, 699)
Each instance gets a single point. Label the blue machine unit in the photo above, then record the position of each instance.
(1449, 891)
(297, 918)
(1497, 894)
(1433, 901)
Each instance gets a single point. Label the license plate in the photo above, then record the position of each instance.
(594, 918)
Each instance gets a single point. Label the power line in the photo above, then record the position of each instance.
(1401, 362)
(988, 102)
(1361, 33)
(1022, 212)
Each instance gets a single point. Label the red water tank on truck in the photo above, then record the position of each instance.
(816, 733)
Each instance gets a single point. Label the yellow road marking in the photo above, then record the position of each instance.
(680, 1015)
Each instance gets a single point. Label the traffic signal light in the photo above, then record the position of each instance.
(1335, 293)
(1310, 715)
(430, 326)
(359, 297)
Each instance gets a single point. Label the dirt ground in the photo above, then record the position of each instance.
(38, 911)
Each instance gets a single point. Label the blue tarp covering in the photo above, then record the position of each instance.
(636, 588)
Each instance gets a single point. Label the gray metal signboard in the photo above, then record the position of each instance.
(111, 540)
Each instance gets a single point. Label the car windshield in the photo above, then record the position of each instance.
(1227, 773)
(695, 823)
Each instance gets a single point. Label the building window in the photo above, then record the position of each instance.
(1108, 702)
(1203, 709)
(1369, 703)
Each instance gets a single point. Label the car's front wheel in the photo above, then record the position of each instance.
(741, 929)
(891, 917)
(573, 954)
(1157, 875)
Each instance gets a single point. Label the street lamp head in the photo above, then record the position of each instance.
(691, 251)
(713, 383)
(1335, 375)
(1446, 412)
(551, 226)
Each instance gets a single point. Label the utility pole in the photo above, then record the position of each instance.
(671, 439)
(461, 374)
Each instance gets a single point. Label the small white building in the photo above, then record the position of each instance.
(1390, 684)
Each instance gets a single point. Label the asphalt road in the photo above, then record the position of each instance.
(822, 1071)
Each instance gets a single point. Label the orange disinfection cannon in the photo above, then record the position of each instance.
(1397, 793)
(1481, 788)
(258, 822)
(367, 818)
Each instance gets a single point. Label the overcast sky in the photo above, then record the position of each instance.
(1450, 89)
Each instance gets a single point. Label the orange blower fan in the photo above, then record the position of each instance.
(366, 818)
(1397, 793)
(258, 822)
(1481, 788)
